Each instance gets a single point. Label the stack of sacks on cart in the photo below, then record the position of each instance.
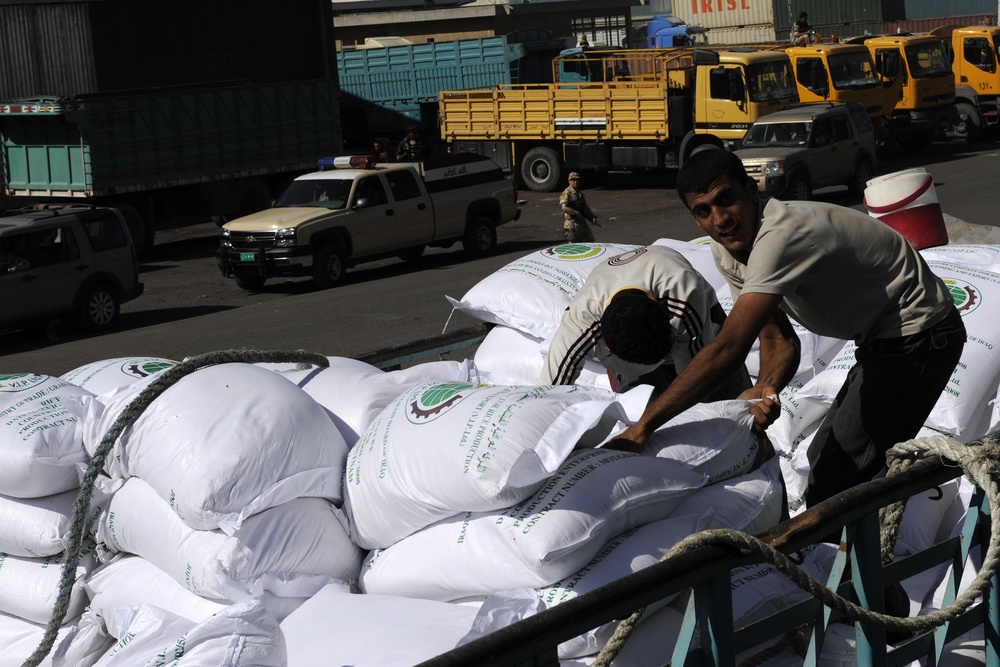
(267, 514)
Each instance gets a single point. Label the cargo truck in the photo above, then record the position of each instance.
(926, 106)
(164, 153)
(630, 109)
(973, 54)
(384, 90)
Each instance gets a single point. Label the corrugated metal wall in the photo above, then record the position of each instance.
(839, 17)
(86, 47)
(45, 50)
(923, 9)
(926, 25)
(745, 35)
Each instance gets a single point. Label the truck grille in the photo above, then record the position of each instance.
(753, 169)
(251, 240)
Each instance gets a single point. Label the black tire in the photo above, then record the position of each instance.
(969, 125)
(330, 266)
(411, 254)
(541, 170)
(99, 307)
(798, 188)
(250, 283)
(859, 181)
(480, 236)
(142, 233)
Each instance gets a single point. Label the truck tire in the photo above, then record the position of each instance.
(968, 125)
(99, 307)
(541, 170)
(250, 283)
(329, 266)
(142, 232)
(480, 237)
(862, 174)
(798, 188)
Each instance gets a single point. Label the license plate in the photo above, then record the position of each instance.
(248, 257)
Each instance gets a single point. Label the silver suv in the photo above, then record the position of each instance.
(65, 262)
(797, 150)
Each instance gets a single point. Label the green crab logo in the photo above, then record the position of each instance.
(967, 298)
(141, 368)
(429, 404)
(11, 382)
(574, 252)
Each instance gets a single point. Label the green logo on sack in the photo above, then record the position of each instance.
(429, 404)
(11, 382)
(574, 252)
(140, 369)
(967, 298)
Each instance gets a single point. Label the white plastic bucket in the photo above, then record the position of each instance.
(907, 202)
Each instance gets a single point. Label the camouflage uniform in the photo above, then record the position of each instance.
(575, 228)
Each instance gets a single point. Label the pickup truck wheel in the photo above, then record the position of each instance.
(859, 181)
(411, 254)
(329, 266)
(798, 188)
(480, 237)
(250, 283)
(98, 308)
(541, 169)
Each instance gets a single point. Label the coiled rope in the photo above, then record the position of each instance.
(81, 508)
(980, 460)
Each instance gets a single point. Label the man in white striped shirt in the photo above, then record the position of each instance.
(643, 315)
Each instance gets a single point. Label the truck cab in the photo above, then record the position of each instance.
(972, 51)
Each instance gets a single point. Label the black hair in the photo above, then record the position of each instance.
(704, 168)
(637, 328)
(803, 15)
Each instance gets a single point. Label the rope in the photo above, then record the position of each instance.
(980, 460)
(81, 508)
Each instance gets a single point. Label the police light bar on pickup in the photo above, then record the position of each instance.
(346, 162)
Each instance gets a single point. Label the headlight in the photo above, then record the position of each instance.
(224, 236)
(774, 169)
(284, 238)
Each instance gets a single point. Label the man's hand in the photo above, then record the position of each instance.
(630, 440)
(767, 408)
(594, 222)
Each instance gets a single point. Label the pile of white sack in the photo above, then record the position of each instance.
(268, 514)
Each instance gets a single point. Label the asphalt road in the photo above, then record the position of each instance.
(188, 308)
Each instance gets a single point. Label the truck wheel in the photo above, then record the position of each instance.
(968, 123)
(798, 188)
(480, 236)
(541, 169)
(329, 266)
(250, 283)
(98, 308)
(142, 233)
(859, 181)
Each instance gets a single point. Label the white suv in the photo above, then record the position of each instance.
(65, 262)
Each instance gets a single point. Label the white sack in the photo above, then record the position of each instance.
(291, 550)
(109, 375)
(41, 434)
(29, 587)
(761, 590)
(442, 449)
(982, 257)
(750, 503)
(36, 527)
(595, 496)
(243, 634)
(510, 356)
(334, 628)
(531, 293)
(699, 253)
(354, 392)
(714, 439)
(78, 645)
(226, 442)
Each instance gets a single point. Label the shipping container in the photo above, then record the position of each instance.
(724, 13)
(926, 25)
(848, 18)
(751, 34)
(926, 9)
(841, 32)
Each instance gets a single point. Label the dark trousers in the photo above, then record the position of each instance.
(885, 400)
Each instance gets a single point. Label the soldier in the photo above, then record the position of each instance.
(410, 149)
(577, 216)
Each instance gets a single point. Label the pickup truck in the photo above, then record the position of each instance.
(354, 210)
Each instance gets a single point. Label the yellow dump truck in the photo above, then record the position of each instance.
(973, 54)
(926, 106)
(635, 109)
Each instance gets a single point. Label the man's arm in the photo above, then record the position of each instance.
(715, 363)
(568, 351)
(780, 350)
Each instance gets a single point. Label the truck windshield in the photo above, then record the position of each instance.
(927, 60)
(770, 135)
(854, 71)
(771, 80)
(324, 194)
